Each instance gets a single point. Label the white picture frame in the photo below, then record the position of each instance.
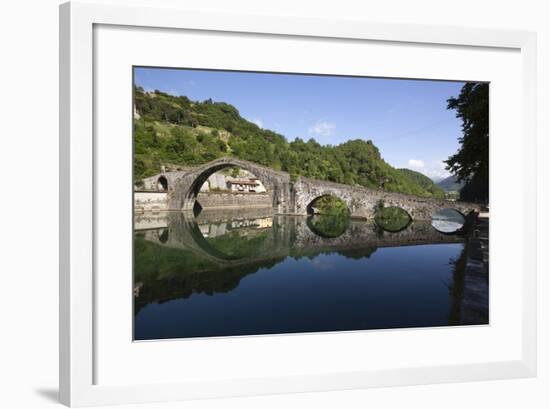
(78, 385)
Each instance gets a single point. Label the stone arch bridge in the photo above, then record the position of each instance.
(290, 197)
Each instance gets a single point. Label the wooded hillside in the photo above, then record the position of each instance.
(173, 130)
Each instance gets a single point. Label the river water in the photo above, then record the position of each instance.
(248, 273)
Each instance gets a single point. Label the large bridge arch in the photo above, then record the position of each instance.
(186, 188)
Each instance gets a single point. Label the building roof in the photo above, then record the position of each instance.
(243, 182)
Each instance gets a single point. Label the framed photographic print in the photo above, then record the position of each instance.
(266, 204)
(240, 231)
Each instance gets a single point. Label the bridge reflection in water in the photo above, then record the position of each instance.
(245, 272)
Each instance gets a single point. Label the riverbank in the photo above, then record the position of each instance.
(154, 202)
(232, 200)
(150, 202)
(474, 284)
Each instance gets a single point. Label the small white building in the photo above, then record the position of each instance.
(250, 185)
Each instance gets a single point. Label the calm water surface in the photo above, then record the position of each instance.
(224, 274)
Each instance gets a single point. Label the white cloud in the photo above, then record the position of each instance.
(258, 122)
(435, 170)
(416, 163)
(438, 171)
(322, 128)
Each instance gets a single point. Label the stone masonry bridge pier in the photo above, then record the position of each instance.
(294, 198)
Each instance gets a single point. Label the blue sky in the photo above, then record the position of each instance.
(406, 119)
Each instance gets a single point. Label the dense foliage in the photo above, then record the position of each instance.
(329, 205)
(450, 184)
(471, 163)
(163, 273)
(392, 219)
(425, 182)
(329, 225)
(171, 130)
(235, 245)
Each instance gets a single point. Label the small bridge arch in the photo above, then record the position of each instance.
(310, 208)
(307, 191)
(162, 183)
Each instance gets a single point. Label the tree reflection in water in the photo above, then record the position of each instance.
(392, 219)
(328, 226)
(182, 258)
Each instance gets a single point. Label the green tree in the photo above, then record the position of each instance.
(471, 163)
(172, 130)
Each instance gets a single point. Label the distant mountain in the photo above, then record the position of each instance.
(423, 181)
(450, 184)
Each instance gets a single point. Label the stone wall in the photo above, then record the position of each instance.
(150, 221)
(234, 200)
(150, 201)
(226, 215)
